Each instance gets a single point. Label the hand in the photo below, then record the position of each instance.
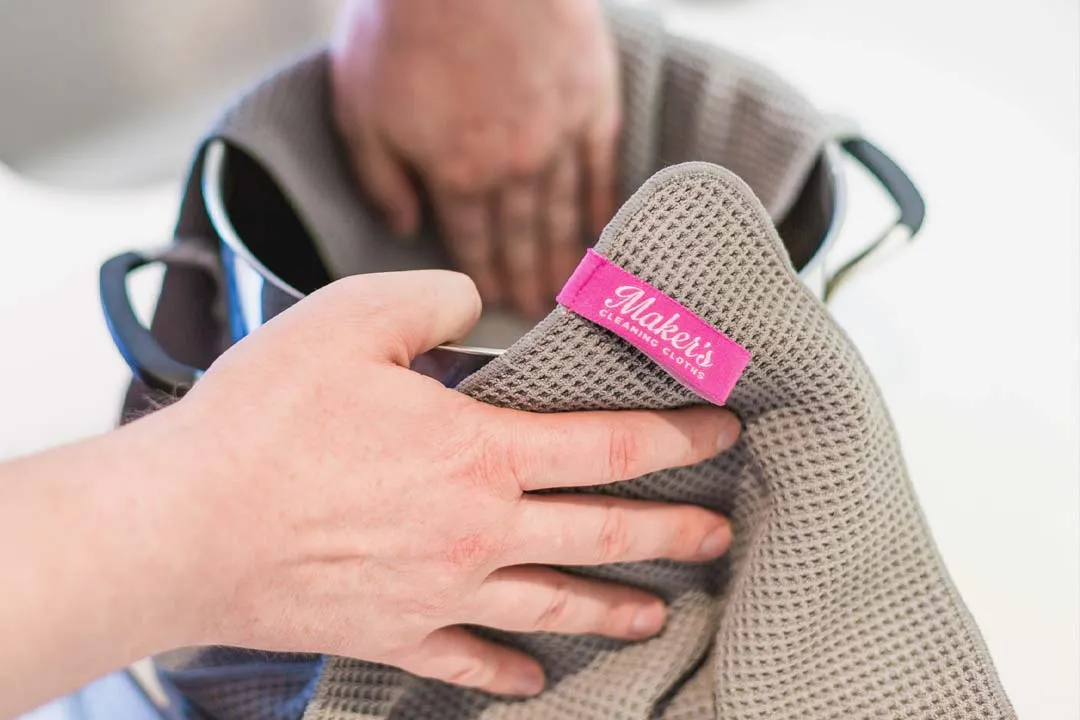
(508, 112)
(344, 504)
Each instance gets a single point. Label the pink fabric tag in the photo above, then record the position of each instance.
(690, 350)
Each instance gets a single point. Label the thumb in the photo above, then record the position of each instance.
(404, 314)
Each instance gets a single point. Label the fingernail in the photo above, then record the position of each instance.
(730, 427)
(648, 620)
(530, 681)
(715, 543)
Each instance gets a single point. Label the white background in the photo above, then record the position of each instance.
(974, 333)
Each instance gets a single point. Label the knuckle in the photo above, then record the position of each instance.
(373, 314)
(613, 544)
(472, 164)
(443, 590)
(494, 462)
(459, 177)
(530, 155)
(472, 550)
(555, 612)
(624, 453)
(516, 465)
(486, 463)
(516, 461)
(484, 135)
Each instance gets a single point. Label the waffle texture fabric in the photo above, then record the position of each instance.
(833, 602)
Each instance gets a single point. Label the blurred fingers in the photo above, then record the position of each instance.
(600, 147)
(517, 209)
(383, 178)
(562, 219)
(466, 227)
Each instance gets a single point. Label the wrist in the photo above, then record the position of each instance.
(187, 561)
(150, 500)
(102, 561)
(147, 498)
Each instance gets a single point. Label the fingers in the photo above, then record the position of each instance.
(593, 530)
(382, 177)
(563, 219)
(534, 599)
(600, 152)
(466, 227)
(456, 656)
(560, 450)
(517, 210)
(404, 314)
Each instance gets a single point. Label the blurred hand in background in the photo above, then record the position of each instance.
(507, 115)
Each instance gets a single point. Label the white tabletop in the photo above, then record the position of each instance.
(973, 334)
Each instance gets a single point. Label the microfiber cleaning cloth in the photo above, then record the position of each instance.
(832, 602)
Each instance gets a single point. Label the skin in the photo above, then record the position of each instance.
(313, 494)
(508, 121)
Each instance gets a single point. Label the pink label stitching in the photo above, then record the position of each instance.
(689, 349)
